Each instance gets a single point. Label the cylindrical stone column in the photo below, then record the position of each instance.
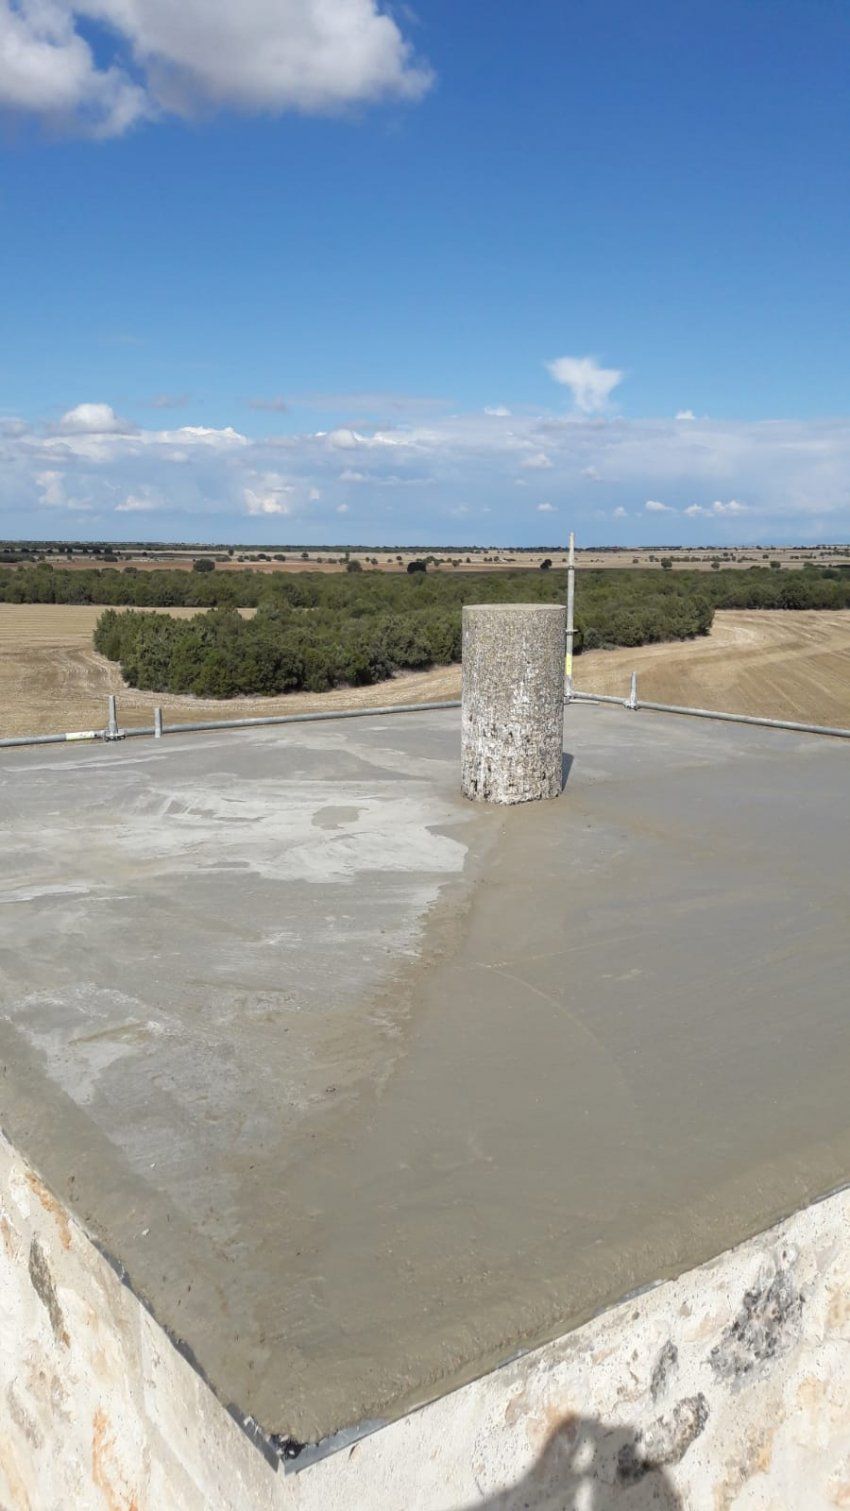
(512, 738)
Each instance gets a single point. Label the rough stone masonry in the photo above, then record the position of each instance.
(513, 702)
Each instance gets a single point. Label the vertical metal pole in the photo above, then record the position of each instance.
(112, 718)
(571, 598)
(633, 692)
(157, 723)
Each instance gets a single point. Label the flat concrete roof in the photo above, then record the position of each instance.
(368, 1087)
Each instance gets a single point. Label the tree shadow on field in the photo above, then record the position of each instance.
(566, 768)
(586, 1466)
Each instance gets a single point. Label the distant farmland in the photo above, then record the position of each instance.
(334, 559)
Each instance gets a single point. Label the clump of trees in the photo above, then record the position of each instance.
(220, 654)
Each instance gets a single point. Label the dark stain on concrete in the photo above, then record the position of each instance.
(767, 1325)
(335, 817)
(42, 1282)
(664, 1442)
(665, 1366)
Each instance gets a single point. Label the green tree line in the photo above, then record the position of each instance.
(372, 592)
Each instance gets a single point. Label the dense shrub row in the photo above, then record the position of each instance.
(376, 592)
(220, 654)
(314, 631)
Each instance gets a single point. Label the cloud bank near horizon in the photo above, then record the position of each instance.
(492, 476)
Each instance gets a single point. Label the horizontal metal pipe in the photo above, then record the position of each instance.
(207, 724)
(710, 713)
(200, 725)
(82, 734)
(713, 713)
(596, 698)
(337, 713)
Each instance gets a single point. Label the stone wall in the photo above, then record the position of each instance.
(727, 1388)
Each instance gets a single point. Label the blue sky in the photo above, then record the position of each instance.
(315, 272)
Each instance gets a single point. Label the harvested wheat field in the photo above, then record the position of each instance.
(784, 664)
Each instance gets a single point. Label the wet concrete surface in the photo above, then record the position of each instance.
(367, 1086)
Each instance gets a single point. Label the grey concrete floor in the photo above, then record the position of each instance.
(366, 1086)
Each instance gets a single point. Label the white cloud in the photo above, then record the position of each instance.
(353, 440)
(92, 419)
(538, 461)
(198, 435)
(136, 503)
(498, 411)
(258, 503)
(52, 489)
(653, 506)
(48, 70)
(342, 508)
(268, 494)
(194, 56)
(345, 440)
(349, 475)
(620, 512)
(685, 414)
(718, 508)
(591, 385)
(546, 509)
(53, 493)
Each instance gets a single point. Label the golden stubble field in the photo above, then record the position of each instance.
(783, 664)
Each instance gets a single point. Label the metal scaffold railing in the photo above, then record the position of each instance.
(113, 731)
(632, 702)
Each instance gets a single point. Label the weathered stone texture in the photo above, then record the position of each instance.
(513, 702)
